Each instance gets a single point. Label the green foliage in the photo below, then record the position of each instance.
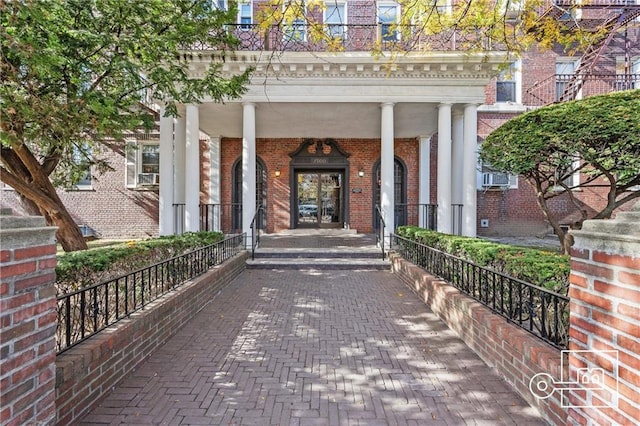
(77, 75)
(598, 136)
(82, 268)
(602, 131)
(543, 268)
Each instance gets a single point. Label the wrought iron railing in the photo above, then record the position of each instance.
(85, 312)
(550, 89)
(541, 312)
(225, 218)
(422, 215)
(351, 38)
(379, 226)
(255, 230)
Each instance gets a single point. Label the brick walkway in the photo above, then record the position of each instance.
(314, 348)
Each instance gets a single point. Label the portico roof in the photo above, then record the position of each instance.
(325, 94)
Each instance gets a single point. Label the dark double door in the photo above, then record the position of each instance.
(319, 199)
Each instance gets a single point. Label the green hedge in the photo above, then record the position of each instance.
(540, 267)
(79, 269)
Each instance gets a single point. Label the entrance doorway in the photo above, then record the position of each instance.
(319, 199)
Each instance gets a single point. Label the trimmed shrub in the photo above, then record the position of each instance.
(79, 269)
(539, 267)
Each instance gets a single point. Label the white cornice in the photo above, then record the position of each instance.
(469, 67)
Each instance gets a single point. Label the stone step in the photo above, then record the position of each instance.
(324, 263)
(311, 253)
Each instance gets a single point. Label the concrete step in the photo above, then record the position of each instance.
(324, 263)
(353, 258)
(312, 253)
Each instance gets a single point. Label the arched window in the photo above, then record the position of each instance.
(236, 195)
(400, 190)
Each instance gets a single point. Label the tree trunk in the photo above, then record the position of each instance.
(68, 233)
(51, 207)
(557, 229)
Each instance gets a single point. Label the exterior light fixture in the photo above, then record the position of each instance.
(277, 173)
(361, 173)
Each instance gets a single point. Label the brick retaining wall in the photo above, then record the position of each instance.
(89, 371)
(514, 353)
(27, 320)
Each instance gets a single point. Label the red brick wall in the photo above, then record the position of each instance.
(87, 372)
(605, 319)
(515, 354)
(109, 207)
(28, 323)
(363, 155)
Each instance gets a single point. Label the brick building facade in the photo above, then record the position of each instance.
(342, 97)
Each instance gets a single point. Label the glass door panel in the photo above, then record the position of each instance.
(308, 190)
(331, 197)
(320, 199)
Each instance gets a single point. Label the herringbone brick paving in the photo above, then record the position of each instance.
(280, 347)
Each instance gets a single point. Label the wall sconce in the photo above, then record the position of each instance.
(361, 173)
(277, 173)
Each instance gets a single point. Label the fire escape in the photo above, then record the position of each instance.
(604, 16)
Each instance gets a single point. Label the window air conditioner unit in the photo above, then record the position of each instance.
(148, 179)
(495, 179)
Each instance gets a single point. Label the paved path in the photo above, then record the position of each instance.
(314, 348)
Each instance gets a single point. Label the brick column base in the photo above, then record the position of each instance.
(605, 322)
(28, 321)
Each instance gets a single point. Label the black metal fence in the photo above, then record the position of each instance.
(226, 218)
(85, 312)
(352, 38)
(542, 312)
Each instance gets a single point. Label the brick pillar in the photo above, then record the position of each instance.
(605, 321)
(27, 321)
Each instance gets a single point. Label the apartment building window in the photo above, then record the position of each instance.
(627, 74)
(490, 178)
(245, 16)
(506, 85)
(294, 21)
(388, 19)
(444, 7)
(143, 164)
(569, 174)
(335, 19)
(565, 69)
(82, 157)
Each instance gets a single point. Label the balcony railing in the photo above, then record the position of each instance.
(549, 90)
(541, 312)
(350, 38)
(227, 218)
(85, 312)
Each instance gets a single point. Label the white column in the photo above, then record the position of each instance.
(248, 167)
(214, 180)
(165, 196)
(457, 132)
(192, 171)
(180, 144)
(387, 194)
(444, 168)
(179, 159)
(424, 176)
(469, 174)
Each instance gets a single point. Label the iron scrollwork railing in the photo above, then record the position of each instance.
(541, 312)
(256, 225)
(85, 312)
(379, 228)
(351, 38)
